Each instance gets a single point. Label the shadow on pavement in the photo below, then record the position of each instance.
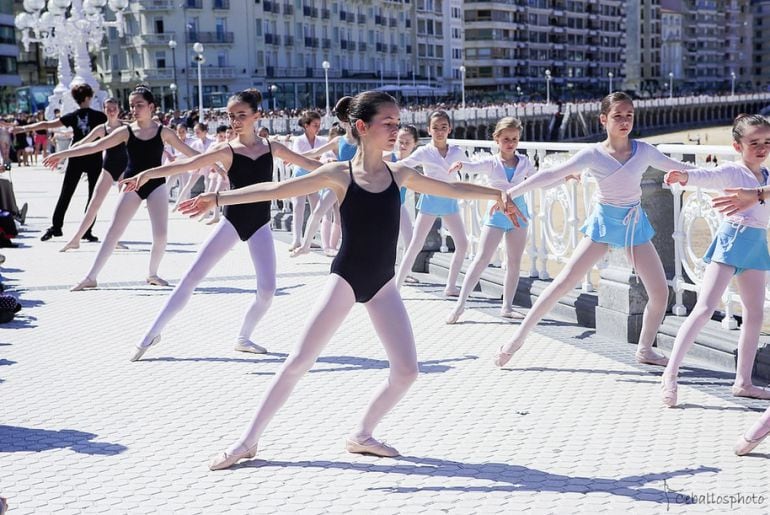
(351, 362)
(25, 439)
(504, 477)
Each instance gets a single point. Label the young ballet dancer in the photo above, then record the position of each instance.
(248, 160)
(738, 250)
(435, 159)
(505, 169)
(113, 165)
(144, 139)
(326, 212)
(310, 121)
(362, 271)
(406, 142)
(82, 121)
(617, 220)
(200, 143)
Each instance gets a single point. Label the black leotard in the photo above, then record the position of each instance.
(367, 256)
(144, 154)
(115, 158)
(248, 218)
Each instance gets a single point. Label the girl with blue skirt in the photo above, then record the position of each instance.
(327, 212)
(617, 220)
(310, 121)
(739, 250)
(435, 158)
(503, 170)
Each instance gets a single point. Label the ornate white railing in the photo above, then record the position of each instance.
(554, 229)
(695, 205)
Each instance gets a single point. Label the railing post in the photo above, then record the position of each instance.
(543, 252)
(531, 232)
(677, 283)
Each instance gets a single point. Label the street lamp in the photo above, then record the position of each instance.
(670, 84)
(172, 87)
(172, 46)
(462, 83)
(198, 49)
(274, 90)
(518, 93)
(325, 65)
(548, 86)
(610, 75)
(732, 88)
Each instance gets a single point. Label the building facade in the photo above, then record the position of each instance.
(760, 72)
(672, 38)
(643, 46)
(509, 46)
(280, 47)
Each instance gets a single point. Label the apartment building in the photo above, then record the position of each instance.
(510, 45)
(281, 46)
(760, 72)
(717, 36)
(672, 38)
(643, 46)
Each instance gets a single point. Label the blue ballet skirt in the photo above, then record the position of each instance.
(437, 206)
(299, 172)
(403, 195)
(739, 246)
(500, 221)
(618, 226)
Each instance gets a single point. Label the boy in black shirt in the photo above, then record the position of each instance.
(81, 122)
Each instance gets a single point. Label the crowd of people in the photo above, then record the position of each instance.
(355, 182)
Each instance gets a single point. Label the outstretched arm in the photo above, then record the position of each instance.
(94, 135)
(462, 190)
(326, 147)
(283, 152)
(327, 176)
(216, 153)
(172, 139)
(52, 124)
(553, 176)
(116, 138)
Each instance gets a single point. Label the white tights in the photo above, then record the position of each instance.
(751, 286)
(320, 213)
(128, 204)
(422, 227)
(405, 227)
(222, 239)
(298, 217)
(391, 322)
(649, 268)
(515, 241)
(101, 190)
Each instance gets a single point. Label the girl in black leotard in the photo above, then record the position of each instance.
(113, 166)
(144, 141)
(248, 160)
(368, 190)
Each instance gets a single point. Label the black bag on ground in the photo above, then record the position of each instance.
(8, 225)
(9, 306)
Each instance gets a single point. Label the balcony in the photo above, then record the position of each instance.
(217, 72)
(272, 39)
(362, 18)
(153, 39)
(221, 4)
(157, 5)
(193, 4)
(325, 14)
(361, 46)
(288, 9)
(311, 42)
(157, 74)
(212, 37)
(288, 40)
(326, 43)
(271, 7)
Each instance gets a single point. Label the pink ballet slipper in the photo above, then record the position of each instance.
(225, 461)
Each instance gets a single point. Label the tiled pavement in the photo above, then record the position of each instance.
(573, 426)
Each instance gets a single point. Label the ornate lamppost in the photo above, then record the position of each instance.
(69, 27)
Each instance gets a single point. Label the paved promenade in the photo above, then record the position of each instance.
(574, 425)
